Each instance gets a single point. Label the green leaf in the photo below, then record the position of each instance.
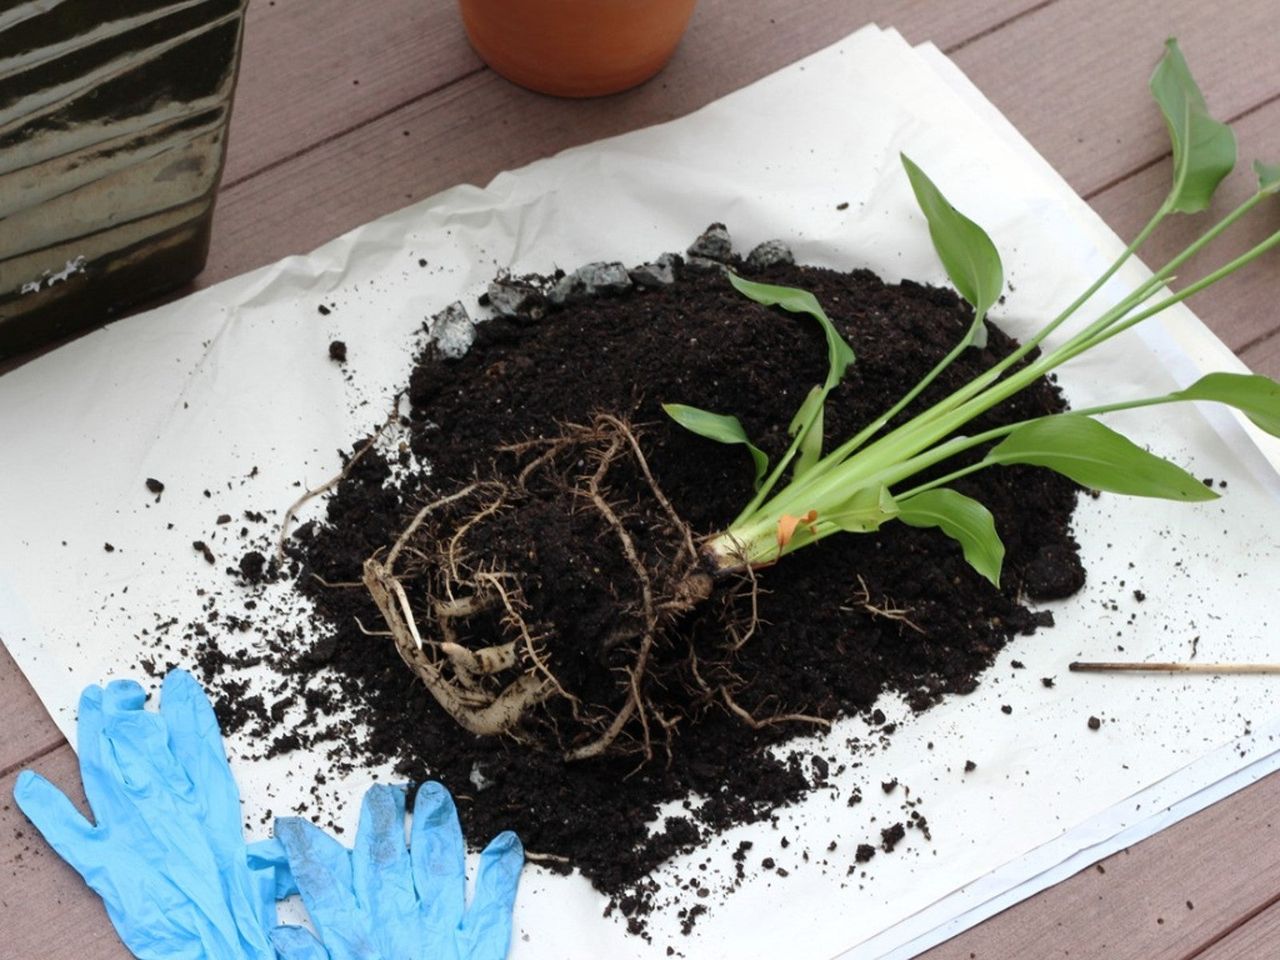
(1268, 176)
(795, 300)
(964, 520)
(867, 509)
(967, 253)
(720, 427)
(1096, 457)
(809, 419)
(1257, 397)
(1204, 150)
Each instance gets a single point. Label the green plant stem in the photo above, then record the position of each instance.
(1073, 349)
(1088, 294)
(875, 426)
(780, 467)
(985, 380)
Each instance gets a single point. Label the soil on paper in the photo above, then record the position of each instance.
(838, 623)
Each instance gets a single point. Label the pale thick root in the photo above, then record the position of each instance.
(482, 662)
(474, 711)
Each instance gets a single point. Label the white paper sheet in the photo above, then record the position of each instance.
(201, 391)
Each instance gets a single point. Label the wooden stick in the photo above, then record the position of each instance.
(1089, 666)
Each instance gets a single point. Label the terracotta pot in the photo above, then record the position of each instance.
(576, 48)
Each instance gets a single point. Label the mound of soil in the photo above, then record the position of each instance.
(839, 623)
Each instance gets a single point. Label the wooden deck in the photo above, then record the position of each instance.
(347, 111)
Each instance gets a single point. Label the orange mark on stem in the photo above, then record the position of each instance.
(787, 525)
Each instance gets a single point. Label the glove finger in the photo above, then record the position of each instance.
(271, 855)
(59, 822)
(439, 856)
(487, 925)
(322, 868)
(140, 745)
(382, 873)
(99, 775)
(196, 743)
(297, 943)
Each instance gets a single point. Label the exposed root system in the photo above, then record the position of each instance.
(461, 620)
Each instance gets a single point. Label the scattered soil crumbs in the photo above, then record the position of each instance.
(839, 623)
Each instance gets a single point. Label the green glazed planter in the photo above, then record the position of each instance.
(113, 127)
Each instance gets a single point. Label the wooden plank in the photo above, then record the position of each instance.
(1072, 76)
(353, 67)
(26, 729)
(1163, 899)
(1253, 939)
(1264, 356)
(480, 125)
(1241, 310)
(46, 911)
(314, 68)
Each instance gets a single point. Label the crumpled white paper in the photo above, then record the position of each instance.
(237, 377)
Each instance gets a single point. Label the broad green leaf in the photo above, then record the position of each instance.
(964, 520)
(1257, 397)
(867, 509)
(967, 253)
(720, 427)
(1096, 457)
(1204, 150)
(1268, 176)
(795, 300)
(809, 419)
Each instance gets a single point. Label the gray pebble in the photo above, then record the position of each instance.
(597, 278)
(770, 253)
(452, 331)
(659, 273)
(510, 299)
(590, 280)
(714, 244)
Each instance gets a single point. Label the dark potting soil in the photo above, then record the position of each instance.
(839, 622)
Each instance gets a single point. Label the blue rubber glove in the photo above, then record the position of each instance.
(382, 901)
(167, 854)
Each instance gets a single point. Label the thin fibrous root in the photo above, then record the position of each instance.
(636, 671)
(629, 435)
(756, 724)
(741, 637)
(337, 584)
(297, 505)
(371, 633)
(452, 553)
(420, 517)
(885, 611)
